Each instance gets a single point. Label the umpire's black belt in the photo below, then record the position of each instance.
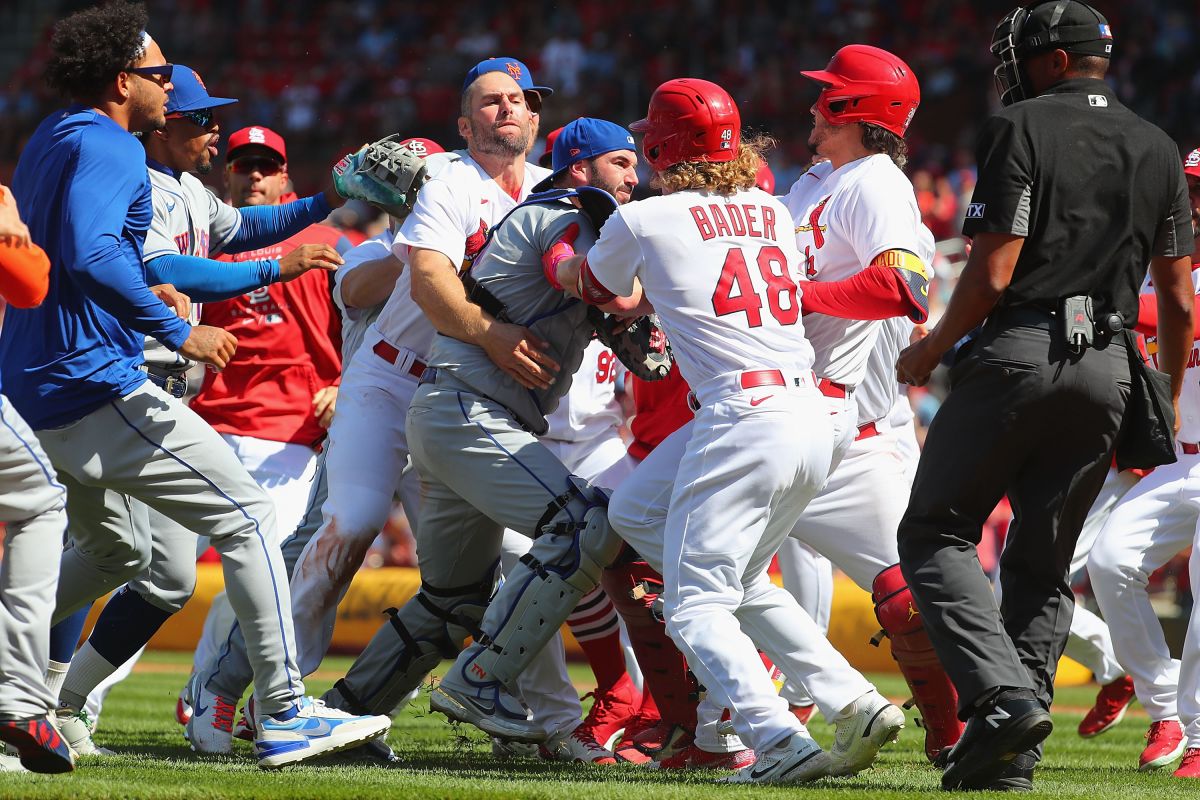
(173, 382)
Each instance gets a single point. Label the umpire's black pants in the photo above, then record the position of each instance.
(1027, 418)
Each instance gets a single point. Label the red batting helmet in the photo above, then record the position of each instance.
(866, 84)
(689, 120)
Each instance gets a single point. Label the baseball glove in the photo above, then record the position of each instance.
(641, 344)
(385, 174)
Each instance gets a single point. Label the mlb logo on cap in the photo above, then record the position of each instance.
(1105, 32)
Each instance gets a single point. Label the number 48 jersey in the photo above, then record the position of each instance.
(721, 273)
(844, 218)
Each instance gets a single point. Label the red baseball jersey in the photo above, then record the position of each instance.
(289, 347)
(660, 409)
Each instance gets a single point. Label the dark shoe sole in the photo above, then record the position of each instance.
(51, 758)
(984, 762)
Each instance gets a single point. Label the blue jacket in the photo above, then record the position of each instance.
(82, 188)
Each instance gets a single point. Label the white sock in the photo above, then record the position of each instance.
(88, 669)
(56, 673)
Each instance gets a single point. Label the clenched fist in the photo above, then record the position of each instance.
(210, 345)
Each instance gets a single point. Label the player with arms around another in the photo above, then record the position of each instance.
(714, 256)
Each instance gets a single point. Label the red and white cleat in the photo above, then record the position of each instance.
(692, 757)
(183, 704)
(613, 711)
(1111, 704)
(1164, 744)
(651, 740)
(1190, 768)
(578, 745)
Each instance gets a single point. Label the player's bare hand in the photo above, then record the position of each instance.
(209, 345)
(917, 361)
(11, 226)
(306, 257)
(919, 332)
(324, 402)
(176, 300)
(521, 354)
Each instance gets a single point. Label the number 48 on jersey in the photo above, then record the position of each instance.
(739, 292)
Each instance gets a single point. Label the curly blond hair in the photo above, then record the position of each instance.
(723, 178)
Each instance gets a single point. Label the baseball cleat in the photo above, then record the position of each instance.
(1164, 744)
(38, 743)
(244, 728)
(692, 757)
(11, 762)
(643, 743)
(210, 728)
(803, 713)
(612, 711)
(796, 759)
(76, 727)
(579, 746)
(488, 707)
(1112, 702)
(375, 752)
(505, 750)
(313, 729)
(183, 704)
(1190, 766)
(862, 728)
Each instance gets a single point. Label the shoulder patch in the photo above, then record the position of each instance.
(976, 210)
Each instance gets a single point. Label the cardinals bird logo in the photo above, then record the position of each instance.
(814, 224)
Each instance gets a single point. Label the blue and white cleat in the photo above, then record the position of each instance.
(485, 704)
(315, 729)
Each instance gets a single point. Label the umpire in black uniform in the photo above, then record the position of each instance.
(1076, 195)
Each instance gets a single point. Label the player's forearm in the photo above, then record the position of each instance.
(1176, 297)
(371, 282)
(875, 293)
(437, 290)
(111, 276)
(24, 273)
(987, 274)
(206, 280)
(1147, 324)
(267, 225)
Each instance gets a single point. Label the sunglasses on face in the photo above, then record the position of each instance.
(200, 116)
(247, 164)
(160, 73)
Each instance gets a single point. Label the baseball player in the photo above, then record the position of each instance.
(72, 367)
(177, 251)
(457, 539)
(1156, 519)
(33, 508)
(362, 468)
(671, 248)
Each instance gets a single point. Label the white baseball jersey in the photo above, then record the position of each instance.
(188, 220)
(844, 218)
(355, 321)
(590, 407)
(725, 305)
(879, 392)
(1189, 398)
(453, 214)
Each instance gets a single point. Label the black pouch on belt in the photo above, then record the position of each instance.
(1147, 435)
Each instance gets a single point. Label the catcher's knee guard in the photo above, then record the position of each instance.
(574, 545)
(933, 693)
(634, 587)
(431, 626)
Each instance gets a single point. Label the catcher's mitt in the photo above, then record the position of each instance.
(641, 344)
(384, 173)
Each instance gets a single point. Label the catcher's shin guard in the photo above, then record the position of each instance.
(634, 587)
(431, 626)
(565, 563)
(933, 693)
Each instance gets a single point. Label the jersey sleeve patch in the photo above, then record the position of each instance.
(916, 279)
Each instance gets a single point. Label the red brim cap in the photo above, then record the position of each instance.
(1191, 164)
(641, 126)
(824, 77)
(260, 136)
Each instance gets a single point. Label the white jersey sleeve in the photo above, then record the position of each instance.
(439, 221)
(871, 220)
(370, 250)
(224, 221)
(616, 257)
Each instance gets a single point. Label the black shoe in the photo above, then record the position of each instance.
(375, 752)
(1014, 723)
(1017, 776)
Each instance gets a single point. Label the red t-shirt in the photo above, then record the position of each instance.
(289, 347)
(660, 409)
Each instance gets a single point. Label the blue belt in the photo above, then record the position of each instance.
(173, 383)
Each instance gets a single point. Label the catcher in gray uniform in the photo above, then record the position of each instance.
(472, 429)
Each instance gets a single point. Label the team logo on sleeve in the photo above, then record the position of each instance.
(975, 210)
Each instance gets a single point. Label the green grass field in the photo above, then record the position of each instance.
(444, 762)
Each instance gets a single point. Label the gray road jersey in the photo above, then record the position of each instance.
(510, 267)
(188, 220)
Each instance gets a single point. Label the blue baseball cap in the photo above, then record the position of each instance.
(188, 92)
(585, 137)
(515, 69)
